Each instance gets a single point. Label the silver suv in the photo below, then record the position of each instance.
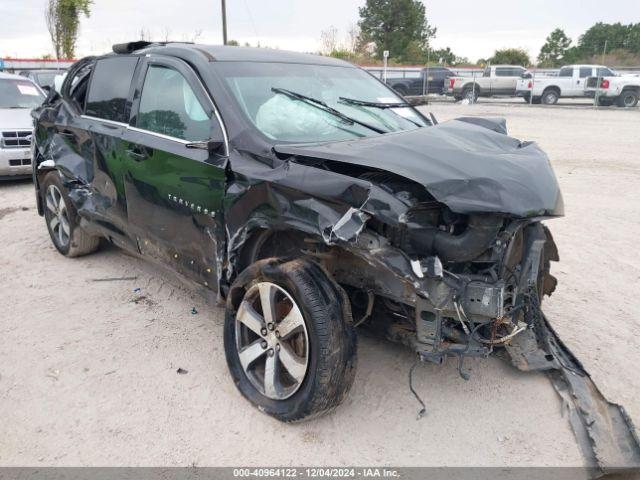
(18, 96)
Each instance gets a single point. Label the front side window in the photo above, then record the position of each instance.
(265, 93)
(487, 72)
(18, 93)
(605, 72)
(169, 106)
(109, 89)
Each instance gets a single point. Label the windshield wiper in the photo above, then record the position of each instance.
(326, 108)
(365, 103)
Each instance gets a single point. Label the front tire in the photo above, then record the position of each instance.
(289, 340)
(628, 99)
(63, 221)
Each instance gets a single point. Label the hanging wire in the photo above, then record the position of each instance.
(423, 411)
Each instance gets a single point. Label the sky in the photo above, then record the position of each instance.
(471, 28)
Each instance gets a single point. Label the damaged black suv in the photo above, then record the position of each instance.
(311, 198)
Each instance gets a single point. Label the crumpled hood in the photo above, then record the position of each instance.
(467, 167)
(15, 118)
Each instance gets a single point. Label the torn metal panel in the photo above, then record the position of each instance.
(467, 167)
(604, 431)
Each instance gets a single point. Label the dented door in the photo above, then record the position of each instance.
(174, 184)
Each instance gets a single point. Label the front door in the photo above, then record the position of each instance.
(174, 185)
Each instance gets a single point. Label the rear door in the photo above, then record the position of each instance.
(106, 113)
(583, 74)
(567, 77)
(505, 81)
(175, 191)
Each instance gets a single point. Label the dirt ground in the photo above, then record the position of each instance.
(88, 367)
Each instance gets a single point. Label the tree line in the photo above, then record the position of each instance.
(402, 28)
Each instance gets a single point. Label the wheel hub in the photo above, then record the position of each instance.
(272, 340)
(57, 216)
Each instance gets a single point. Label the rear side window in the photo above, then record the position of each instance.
(109, 88)
(169, 106)
(508, 72)
(585, 72)
(566, 72)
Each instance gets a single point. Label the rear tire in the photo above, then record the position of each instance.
(252, 345)
(628, 99)
(402, 91)
(471, 94)
(550, 97)
(62, 220)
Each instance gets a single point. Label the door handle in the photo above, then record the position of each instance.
(138, 154)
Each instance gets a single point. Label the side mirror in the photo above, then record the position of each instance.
(212, 146)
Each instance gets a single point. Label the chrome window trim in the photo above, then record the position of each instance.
(97, 119)
(223, 127)
(159, 135)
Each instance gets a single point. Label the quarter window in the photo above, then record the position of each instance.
(109, 88)
(169, 106)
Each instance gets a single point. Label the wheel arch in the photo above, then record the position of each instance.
(552, 88)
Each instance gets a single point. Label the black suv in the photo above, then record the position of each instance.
(310, 197)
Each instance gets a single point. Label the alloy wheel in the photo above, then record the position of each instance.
(272, 340)
(57, 216)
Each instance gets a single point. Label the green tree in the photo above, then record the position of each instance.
(446, 57)
(553, 51)
(615, 35)
(399, 26)
(511, 56)
(63, 22)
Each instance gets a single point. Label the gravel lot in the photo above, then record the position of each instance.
(88, 368)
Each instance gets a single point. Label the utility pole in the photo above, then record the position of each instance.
(224, 22)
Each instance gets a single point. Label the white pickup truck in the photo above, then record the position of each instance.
(569, 83)
(496, 80)
(623, 90)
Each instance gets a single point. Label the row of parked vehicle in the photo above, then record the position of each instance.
(572, 81)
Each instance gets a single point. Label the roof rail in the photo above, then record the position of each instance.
(130, 47)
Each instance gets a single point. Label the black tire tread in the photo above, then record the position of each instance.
(333, 326)
(80, 243)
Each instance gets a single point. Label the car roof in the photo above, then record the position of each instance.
(13, 76)
(227, 53)
(45, 70)
(508, 66)
(583, 65)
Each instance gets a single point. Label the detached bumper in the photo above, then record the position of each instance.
(15, 162)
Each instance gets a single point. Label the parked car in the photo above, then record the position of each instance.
(18, 95)
(569, 83)
(430, 80)
(310, 197)
(623, 91)
(497, 80)
(44, 78)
